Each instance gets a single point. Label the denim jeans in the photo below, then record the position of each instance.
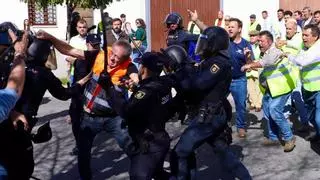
(296, 98)
(298, 101)
(273, 109)
(3, 173)
(238, 90)
(8, 99)
(90, 126)
(197, 134)
(312, 104)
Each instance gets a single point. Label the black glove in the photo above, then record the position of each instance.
(143, 145)
(105, 80)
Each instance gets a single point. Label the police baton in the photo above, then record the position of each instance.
(135, 45)
(105, 44)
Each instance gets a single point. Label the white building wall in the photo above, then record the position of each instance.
(242, 9)
(16, 11)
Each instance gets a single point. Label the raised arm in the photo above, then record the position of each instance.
(194, 17)
(61, 46)
(17, 75)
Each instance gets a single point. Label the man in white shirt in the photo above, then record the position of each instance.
(79, 42)
(266, 24)
(281, 28)
(308, 59)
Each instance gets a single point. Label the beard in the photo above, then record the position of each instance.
(117, 31)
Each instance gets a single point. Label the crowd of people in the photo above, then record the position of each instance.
(116, 86)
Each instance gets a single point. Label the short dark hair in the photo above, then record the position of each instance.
(238, 21)
(116, 19)
(288, 13)
(122, 15)
(316, 12)
(265, 11)
(299, 12)
(280, 10)
(267, 34)
(124, 44)
(315, 31)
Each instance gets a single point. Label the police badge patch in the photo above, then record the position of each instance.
(214, 68)
(139, 95)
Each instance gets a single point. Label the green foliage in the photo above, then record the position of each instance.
(79, 3)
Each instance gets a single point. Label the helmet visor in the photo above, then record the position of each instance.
(202, 44)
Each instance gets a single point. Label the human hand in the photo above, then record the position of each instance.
(247, 52)
(246, 68)
(193, 15)
(16, 117)
(105, 80)
(20, 47)
(85, 79)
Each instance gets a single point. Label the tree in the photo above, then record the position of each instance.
(80, 3)
(72, 4)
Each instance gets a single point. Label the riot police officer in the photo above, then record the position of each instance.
(146, 113)
(16, 152)
(206, 86)
(176, 34)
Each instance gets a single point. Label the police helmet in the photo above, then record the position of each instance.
(212, 40)
(43, 134)
(177, 56)
(174, 18)
(38, 51)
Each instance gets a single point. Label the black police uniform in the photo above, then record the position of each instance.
(146, 113)
(206, 87)
(16, 152)
(179, 36)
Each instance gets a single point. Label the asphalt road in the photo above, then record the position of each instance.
(53, 160)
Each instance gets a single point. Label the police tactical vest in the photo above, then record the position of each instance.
(281, 78)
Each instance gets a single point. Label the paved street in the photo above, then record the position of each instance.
(53, 161)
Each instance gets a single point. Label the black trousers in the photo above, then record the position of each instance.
(16, 152)
(75, 111)
(145, 166)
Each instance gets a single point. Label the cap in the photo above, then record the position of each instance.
(154, 61)
(253, 33)
(253, 16)
(93, 39)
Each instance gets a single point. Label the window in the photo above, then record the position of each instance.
(42, 16)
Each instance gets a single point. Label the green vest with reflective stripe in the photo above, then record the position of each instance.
(280, 78)
(310, 77)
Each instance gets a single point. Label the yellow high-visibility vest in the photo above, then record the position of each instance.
(281, 78)
(310, 77)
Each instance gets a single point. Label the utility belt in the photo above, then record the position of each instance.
(142, 141)
(207, 112)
